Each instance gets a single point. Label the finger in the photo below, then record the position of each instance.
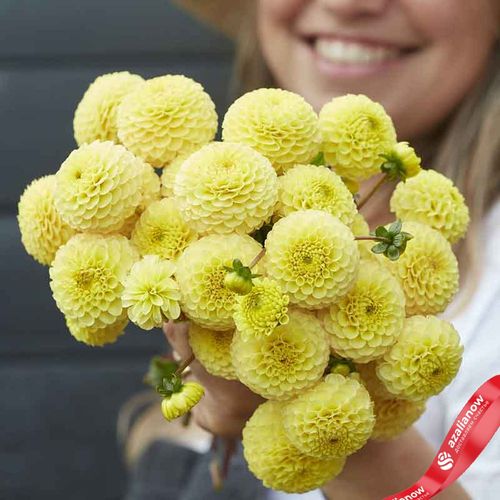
(177, 337)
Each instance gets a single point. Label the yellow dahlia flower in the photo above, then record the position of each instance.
(168, 175)
(273, 459)
(150, 192)
(314, 187)
(98, 187)
(179, 403)
(427, 270)
(95, 116)
(161, 230)
(355, 132)
(42, 229)
(313, 257)
(86, 279)
(166, 117)
(366, 322)
(332, 419)
(225, 188)
(98, 336)
(263, 309)
(279, 124)
(432, 199)
(284, 363)
(201, 270)
(150, 294)
(424, 360)
(394, 416)
(213, 350)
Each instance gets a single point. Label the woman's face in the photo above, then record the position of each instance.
(417, 57)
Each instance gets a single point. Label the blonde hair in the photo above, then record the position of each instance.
(466, 149)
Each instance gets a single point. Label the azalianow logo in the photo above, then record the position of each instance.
(445, 461)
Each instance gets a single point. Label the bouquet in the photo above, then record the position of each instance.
(258, 241)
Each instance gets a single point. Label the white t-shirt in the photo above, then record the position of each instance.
(479, 327)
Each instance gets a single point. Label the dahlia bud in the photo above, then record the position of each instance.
(182, 401)
(239, 278)
(401, 162)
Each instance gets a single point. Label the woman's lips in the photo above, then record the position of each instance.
(339, 58)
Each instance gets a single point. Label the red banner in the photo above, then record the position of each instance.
(468, 436)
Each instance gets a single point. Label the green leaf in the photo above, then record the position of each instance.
(392, 253)
(380, 248)
(395, 227)
(159, 368)
(399, 240)
(318, 160)
(381, 232)
(407, 236)
(237, 264)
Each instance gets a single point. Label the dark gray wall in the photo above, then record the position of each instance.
(59, 399)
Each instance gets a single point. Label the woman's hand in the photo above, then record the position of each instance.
(227, 404)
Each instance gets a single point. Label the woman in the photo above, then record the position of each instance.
(435, 68)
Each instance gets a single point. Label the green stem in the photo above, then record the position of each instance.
(372, 191)
(257, 258)
(184, 364)
(373, 238)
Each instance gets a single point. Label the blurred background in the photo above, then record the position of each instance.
(59, 399)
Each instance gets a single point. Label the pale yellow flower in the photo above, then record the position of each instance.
(276, 461)
(151, 295)
(166, 117)
(42, 229)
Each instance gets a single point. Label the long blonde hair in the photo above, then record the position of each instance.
(466, 149)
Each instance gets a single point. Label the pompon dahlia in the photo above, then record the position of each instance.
(162, 230)
(95, 116)
(259, 312)
(150, 192)
(151, 295)
(273, 459)
(427, 270)
(432, 198)
(225, 188)
(314, 187)
(86, 279)
(277, 123)
(355, 132)
(98, 336)
(42, 229)
(332, 419)
(98, 187)
(366, 322)
(394, 416)
(313, 257)
(213, 350)
(201, 270)
(406, 161)
(281, 365)
(166, 117)
(168, 175)
(424, 360)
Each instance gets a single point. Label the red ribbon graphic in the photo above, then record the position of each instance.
(472, 430)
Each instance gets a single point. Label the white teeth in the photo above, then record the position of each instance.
(353, 53)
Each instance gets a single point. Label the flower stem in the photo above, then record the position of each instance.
(184, 364)
(372, 191)
(372, 238)
(257, 258)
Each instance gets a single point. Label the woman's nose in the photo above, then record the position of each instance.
(355, 8)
